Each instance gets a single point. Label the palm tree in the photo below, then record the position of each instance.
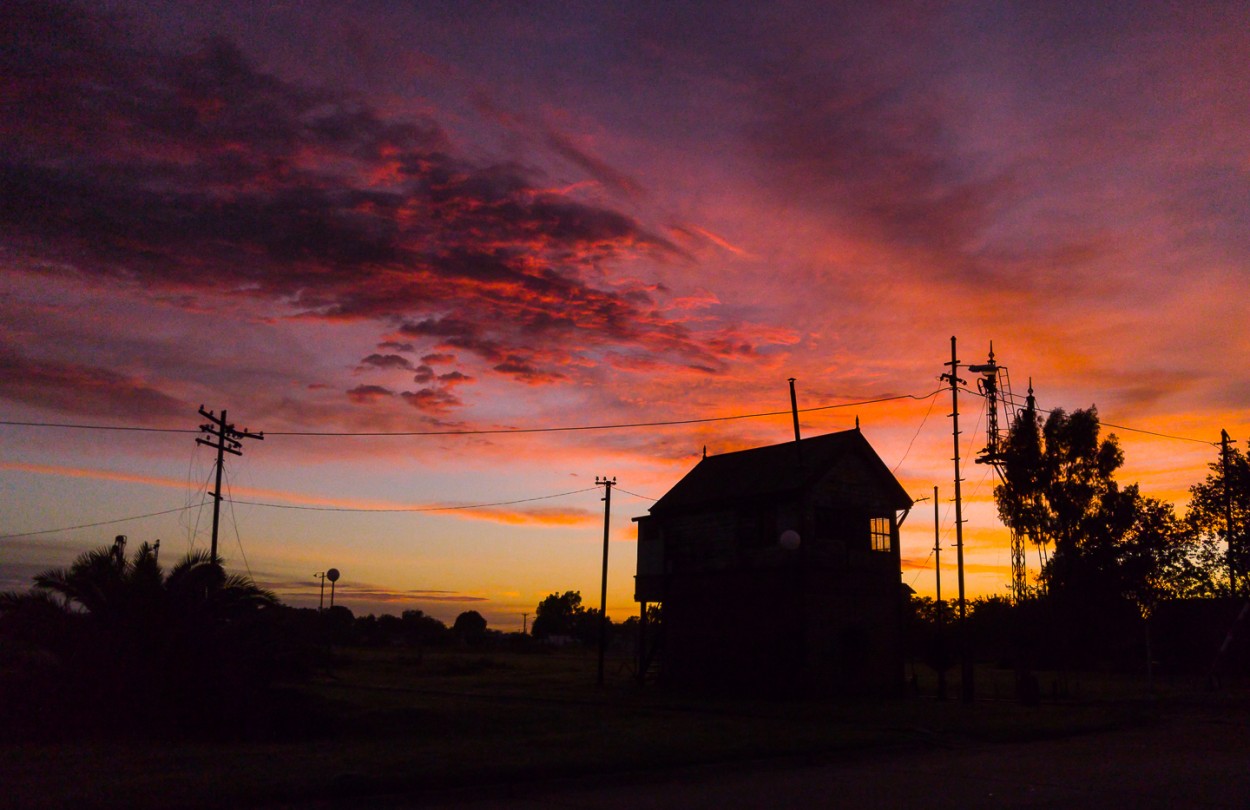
(130, 642)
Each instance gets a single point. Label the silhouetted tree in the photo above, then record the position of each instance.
(1059, 491)
(339, 625)
(585, 626)
(1207, 518)
(470, 627)
(133, 648)
(421, 630)
(1160, 557)
(558, 614)
(1116, 553)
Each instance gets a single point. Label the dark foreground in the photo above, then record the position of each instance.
(1191, 758)
(393, 729)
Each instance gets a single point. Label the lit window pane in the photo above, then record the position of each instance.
(880, 530)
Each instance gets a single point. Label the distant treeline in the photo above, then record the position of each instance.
(559, 620)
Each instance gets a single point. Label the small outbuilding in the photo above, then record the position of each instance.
(778, 569)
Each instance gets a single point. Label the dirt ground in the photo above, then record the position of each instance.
(1191, 758)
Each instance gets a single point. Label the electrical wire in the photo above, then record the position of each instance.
(907, 452)
(492, 431)
(1154, 433)
(98, 427)
(233, 501)
(193, 530)
(98, 523)
(573, 428)
(234, 521)
(635, 494)
(411, 508)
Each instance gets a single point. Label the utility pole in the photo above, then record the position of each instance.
(525, 624)
(966, 685)
(941, 608)
(225, 439)
(794, 409)
(321, 605)
(1228, 513)
(607, 484)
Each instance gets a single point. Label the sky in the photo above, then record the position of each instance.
(451, 218)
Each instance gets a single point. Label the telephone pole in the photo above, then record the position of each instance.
(941, 608)
(965, 654)
(1228, 513)
(607, 484)
(225, 439)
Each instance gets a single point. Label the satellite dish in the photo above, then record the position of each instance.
(789, 540)
(333, 575)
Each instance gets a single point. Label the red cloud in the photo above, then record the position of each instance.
(215, 175)
(435, 401)
(75, 388)
(368, 394)
(386, 361)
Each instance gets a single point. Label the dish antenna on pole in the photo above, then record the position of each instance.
(333, 576)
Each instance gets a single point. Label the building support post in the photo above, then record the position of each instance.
(642, 643)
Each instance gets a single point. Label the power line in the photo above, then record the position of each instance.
(574, 428)
(907, 452)
(636, 495)
(98, 523)
(233, 501)
(98, 427)
(409, 508)
(489, 431)
(234, 520)
(1154, 433)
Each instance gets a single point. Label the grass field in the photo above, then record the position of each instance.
(387, 721)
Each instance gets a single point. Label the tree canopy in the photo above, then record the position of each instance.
(131, 647)
(562, 614)
(1106, 543)
(470, 627)
(1212, 503)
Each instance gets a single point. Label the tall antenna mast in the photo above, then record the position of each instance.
(995, 385)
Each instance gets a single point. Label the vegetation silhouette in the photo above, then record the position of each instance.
(1111, 558)
(1213, 502)
(561, 616)
(115, 646)
(470, 628)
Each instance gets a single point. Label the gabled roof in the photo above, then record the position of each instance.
(774, 470)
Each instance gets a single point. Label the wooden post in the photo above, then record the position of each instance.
(607, 484)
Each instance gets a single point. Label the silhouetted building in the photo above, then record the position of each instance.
(778, 568)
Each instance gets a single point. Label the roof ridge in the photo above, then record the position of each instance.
(781, 444)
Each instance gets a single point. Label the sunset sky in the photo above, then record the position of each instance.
(352, 217)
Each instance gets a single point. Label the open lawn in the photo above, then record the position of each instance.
(389, 721)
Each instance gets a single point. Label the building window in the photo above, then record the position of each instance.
(879, 528)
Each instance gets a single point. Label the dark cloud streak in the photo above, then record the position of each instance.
(196, 172)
